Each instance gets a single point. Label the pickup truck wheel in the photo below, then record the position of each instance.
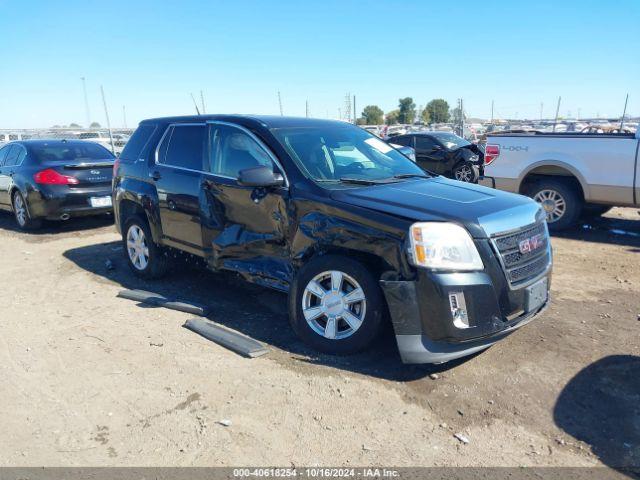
(560, 201)
(335, 305)
(466, 172)
(21, 214)
(145, 258)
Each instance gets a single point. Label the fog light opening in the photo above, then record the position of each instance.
(458, 309)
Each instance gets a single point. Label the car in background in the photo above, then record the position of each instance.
(446, 154)
(54, 180)
(408, 152)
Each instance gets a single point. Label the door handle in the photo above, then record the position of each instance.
(155, 175)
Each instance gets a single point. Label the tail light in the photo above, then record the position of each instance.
(51, 177)
(491, 152)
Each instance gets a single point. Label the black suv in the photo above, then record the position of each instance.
(353, 230)
(445, 153)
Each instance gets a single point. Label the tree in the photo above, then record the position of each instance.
(407, 110)
(94, 125)
(373, 115)
(392, 117)
(438, 110)
(456, 115)
(74, 125)
(425, 116)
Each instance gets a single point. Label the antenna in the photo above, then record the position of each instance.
(541, 109)
(194, 103)
(202, 102)
(280, 103)
(86, 102)
(306, 108)
(106, 113)
(491, 111)
(557, 111)
(355, 114)
(624, 112)
(124, 116)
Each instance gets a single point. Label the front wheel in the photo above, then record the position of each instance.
(335, 305)
(466, 172)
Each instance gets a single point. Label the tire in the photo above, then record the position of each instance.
(21, 214)
(560, 199)
(145, 259)
(593, 211)
(465, 172)
(356, 326)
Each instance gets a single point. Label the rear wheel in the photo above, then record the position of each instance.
(335, 305)
(560, 200)
(21, 214)
(145, 258)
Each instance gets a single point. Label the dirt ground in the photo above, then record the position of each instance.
(93, 380)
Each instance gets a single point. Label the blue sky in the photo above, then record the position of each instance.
(149, 55)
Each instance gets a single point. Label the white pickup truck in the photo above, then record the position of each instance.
(569, 174)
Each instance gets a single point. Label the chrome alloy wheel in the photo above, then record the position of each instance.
(464, 173)
(20, 210)
(334, 305)
(553, 203)
(137, 247)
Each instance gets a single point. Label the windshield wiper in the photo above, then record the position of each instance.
(363, 181)
(412, 175)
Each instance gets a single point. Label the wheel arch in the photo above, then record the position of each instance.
(553, 168)
(129, 206)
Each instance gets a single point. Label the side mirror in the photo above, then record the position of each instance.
(260, 177)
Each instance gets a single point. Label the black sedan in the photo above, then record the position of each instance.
(445, 153)
(54, 180)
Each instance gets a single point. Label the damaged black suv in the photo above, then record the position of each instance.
(350, 228)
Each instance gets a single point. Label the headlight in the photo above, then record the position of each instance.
(444, 246)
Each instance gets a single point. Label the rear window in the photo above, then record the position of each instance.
(133, 149)
(69, 152)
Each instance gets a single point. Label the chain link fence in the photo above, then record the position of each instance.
(114, 142)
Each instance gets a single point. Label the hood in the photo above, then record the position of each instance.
(483, 211)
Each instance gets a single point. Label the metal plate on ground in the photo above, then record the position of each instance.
(230, 339)
(157, 300)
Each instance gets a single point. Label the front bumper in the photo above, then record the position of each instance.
(423, 323)
(58, 202)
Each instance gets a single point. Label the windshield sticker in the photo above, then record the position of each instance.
(378, 145)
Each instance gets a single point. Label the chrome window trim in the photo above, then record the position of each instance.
(260, 143)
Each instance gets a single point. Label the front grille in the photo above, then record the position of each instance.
(522, 266)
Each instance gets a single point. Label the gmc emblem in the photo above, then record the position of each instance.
(532, 243)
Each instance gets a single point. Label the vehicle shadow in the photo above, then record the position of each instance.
(258, 312)
(601, 407)
(8, 222)
(612, 230)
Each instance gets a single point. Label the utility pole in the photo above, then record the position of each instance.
(124, 116)
(491, 111)
(306, 108)
(106, 114)
(541, 108)
(202, 102)
(280, 103)
(355, 115)
(624, 111)
(194, 103)
(86, 102)
(555, 121)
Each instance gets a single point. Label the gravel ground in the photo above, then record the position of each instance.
(93, 380)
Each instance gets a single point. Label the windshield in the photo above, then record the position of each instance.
(338, 152)
(69, 152)
(451, 141)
